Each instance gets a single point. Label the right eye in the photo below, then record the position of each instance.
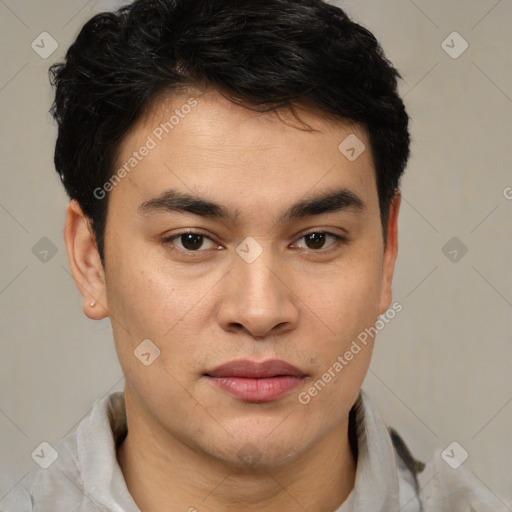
(190, 241)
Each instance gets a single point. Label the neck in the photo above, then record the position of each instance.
(165, 475)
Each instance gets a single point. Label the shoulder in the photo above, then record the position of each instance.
(54, 488)
(438, 487)
(456, 489)
(84, 468)
(17, 500)
(408, 469)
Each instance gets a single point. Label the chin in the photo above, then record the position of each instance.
(262, 453)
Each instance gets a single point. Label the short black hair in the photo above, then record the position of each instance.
(265, 55)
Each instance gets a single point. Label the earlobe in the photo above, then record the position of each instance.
(84, 262)
(390, 254)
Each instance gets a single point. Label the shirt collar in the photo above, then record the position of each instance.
(89, 460)
(376, 486)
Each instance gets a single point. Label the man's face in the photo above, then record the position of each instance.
(256, 286)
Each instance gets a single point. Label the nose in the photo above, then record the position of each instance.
(258, 298)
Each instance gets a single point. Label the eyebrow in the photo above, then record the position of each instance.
(326, 202)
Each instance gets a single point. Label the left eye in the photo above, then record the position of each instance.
(192, 241)
(317, 238)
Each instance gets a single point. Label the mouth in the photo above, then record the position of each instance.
(255, 382)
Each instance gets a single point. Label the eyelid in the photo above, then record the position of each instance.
(191, 231)
(325, 231)
(339, 239)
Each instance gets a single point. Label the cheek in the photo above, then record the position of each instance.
(147, 304)
(347, 300)
(143, 290)
(328, 396)
(149, 299)
(341, 357)
(346, 306)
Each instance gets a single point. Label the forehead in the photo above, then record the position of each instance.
(202, 142)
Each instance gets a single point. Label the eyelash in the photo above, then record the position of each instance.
(338, 240)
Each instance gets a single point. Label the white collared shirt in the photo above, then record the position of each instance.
(86, 476)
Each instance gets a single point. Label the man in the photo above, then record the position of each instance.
(233, 170)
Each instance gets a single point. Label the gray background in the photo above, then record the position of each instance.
(441, 368)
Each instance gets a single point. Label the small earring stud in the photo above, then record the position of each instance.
(92, 304)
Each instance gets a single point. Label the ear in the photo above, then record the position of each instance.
(84, 261)
(390, 254)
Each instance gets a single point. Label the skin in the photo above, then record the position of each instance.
(298, 302)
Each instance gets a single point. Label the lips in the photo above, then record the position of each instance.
(251, 381)
(254, 370)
